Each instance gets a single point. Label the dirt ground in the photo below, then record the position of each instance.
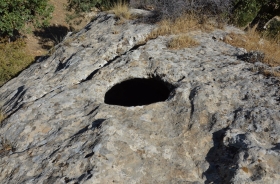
(41, 40)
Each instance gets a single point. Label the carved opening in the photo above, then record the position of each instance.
(135, 92)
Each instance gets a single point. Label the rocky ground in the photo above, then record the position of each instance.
(219, 124)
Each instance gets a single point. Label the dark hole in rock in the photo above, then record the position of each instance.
(138, 91)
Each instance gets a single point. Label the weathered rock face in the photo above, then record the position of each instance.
(220, 122)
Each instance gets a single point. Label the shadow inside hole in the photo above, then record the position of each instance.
(136, 92)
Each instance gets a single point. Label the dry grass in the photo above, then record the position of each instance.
(2, 116)
(182, 41)
(270, 73)
(182, 24)
(13, 59)
(252, 40)
(121, 10)
(6, 147)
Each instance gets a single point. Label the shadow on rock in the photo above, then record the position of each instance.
(277, 147)
(50, 36)
(221, 159)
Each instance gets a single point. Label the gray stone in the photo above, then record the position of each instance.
(220, 123)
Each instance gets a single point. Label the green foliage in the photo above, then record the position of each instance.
(273, 30)
(15, 14)
(274, 27)
(245, 11)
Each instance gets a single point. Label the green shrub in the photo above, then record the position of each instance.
(245, 11)
(255, 12)
(273, 30)
(15, 14)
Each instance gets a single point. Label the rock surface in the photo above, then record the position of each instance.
(220, 123)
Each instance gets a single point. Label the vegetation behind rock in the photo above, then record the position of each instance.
(15, 14)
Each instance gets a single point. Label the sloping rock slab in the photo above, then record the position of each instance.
(219, 124)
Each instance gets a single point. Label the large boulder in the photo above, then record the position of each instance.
(110, 106)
